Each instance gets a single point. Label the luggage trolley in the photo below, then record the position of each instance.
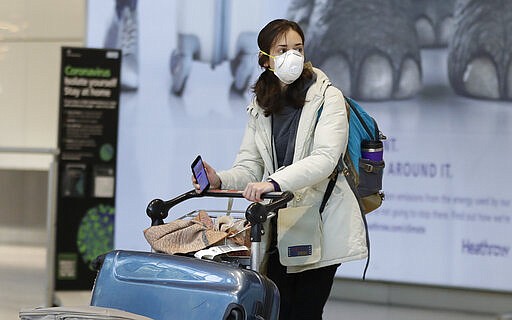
(163, 286)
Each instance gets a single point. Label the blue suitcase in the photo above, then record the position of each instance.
(163, 286)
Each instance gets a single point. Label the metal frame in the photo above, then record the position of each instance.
(50, 212)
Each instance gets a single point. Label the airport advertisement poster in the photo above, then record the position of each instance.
(448, 209)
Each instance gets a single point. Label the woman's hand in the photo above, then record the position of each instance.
(212, 177)
(254, 190)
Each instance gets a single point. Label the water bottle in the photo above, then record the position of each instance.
(372, 150)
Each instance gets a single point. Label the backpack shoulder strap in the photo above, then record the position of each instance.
(339, 167)
(322, 103)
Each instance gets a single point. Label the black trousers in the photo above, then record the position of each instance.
(303, 294)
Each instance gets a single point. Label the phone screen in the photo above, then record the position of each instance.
(200, 174)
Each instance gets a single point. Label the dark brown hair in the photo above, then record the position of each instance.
(267, 88)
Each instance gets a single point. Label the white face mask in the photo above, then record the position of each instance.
(288, 66)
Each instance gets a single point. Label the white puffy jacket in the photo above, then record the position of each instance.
(318, 147)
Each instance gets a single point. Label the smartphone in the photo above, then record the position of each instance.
(200, 174)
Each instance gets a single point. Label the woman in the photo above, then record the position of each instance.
(283, 116)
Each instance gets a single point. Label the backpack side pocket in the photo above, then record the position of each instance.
(370, 183)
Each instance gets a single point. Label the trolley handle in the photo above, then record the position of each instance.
(256, 213)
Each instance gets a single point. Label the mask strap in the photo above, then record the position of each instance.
(273, 57)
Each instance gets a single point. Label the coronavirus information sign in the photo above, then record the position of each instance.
(88, 123)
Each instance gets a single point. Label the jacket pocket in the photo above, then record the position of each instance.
(299, 235)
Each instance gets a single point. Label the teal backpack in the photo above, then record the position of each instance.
(363, 175)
